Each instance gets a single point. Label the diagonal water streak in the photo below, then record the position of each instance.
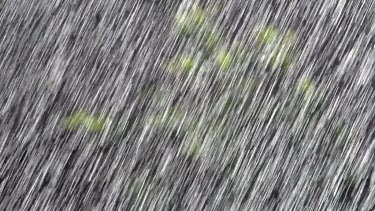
(227, 130)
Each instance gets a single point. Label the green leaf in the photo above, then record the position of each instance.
(184, 63)
(96, 124)
(224, 60)
(306, 87)
(76, 120)
(280, 53)
(190, 22)
(266, 35)
(280, 60)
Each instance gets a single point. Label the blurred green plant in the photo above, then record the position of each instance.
(210, 42)
(266, 35)
(184, 63)
(189, 22)
(306, 87)
(280, 53)
(83, 119)
(279, 59)
(224, 60)
(76, 120)
(96, 124)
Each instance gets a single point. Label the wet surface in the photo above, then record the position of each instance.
(225, 126)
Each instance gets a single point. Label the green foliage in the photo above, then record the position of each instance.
(278, 59)
(76, 120)
(224, 60)
(95, 124)
(210, 42)
(287, 61)
(82, 118)
(266, 36)
(306, 87)
(281, 54)
(183, 64)
(190, 22)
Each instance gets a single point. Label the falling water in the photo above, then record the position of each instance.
(187, 105)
